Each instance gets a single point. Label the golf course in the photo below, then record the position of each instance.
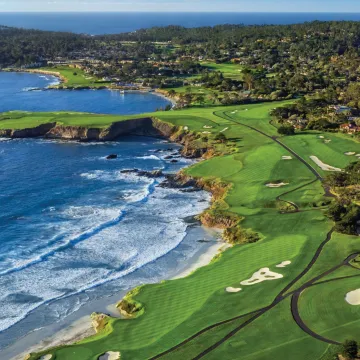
(278, 293)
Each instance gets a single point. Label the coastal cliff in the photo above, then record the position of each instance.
(142, 126)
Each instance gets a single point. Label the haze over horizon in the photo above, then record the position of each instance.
(179, 6)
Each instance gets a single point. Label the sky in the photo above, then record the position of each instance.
(182, 5)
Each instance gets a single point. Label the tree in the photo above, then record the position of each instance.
(286, 130)
(350, 349)
(220, 137)
(75, 73)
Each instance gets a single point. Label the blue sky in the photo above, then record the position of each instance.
(183, 5)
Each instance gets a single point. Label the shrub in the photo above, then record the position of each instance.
(286, 130)
(238, 235)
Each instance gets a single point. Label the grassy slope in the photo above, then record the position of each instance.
(175, 310)
(81, 79)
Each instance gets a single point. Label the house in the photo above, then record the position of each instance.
(349, 128)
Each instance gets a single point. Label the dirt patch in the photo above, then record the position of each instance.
(46, 357)
(276, 185)
(322, 165)
(353, 297)
(110, 355)
(283, 264)
(232, 289)
(263, 274)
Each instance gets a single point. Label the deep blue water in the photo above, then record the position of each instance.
(15, 94)
(71, 224)
(73, 227)
(112, 23)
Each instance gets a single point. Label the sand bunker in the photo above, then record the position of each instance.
(110, 355)
(283, 264)
(276, 185)
(358, 155)
(286, 158)
(46, 357)
(350, 153)
(323, 166)
(206, 132)
(263, 274)
(321, 137)
(327, 141)
(224, 130)
(207, 127)
(353, 297)
(232, 290)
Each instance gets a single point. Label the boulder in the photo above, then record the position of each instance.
(111, 157)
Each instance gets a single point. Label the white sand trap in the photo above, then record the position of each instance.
(46, 357)
(353, 297)
(207, 127)
(286, 158)
(263, 274)
(234, 112)
(224, 130)
(350, 153)
(322, 165)
(110, 355)
(321, 137)
(327, 141)
(283, 264)
(232, 290)
(358, 155)
(186, 128)
(276, 185)
(206, 132)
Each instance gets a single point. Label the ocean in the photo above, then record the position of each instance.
(16, 93)
(112, 23)
(74, 228)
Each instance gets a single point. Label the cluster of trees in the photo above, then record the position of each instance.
(345, 212)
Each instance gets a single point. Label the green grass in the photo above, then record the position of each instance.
(230, 70)
(175, 310)
(335, 318)
(331, 153)
(80, 79)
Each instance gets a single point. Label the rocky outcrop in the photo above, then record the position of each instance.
(38, 131)
(99, 321)
(73, 133)
(142, 126)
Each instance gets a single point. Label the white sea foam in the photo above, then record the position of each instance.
(149, 157)
(108, 254)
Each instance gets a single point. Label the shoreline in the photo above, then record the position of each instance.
(81, 327)
(63, 80)
(78, 324)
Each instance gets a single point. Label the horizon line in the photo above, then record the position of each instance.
(172, 12)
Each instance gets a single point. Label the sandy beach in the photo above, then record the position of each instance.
(79, 326)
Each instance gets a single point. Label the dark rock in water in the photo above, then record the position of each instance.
(174, 182)
(149, 174)
(168, 157)
(190, 190)
(175, 154)
(158, 151)
(129, 171)
(170, 149)
(205, 241)
(192, 220)
(174, 161)
(111, 157)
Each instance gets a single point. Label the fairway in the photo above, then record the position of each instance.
(184, 318)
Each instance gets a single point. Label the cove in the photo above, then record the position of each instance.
(18, 92)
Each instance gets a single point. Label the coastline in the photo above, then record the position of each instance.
(80, 327)
(63, 80)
